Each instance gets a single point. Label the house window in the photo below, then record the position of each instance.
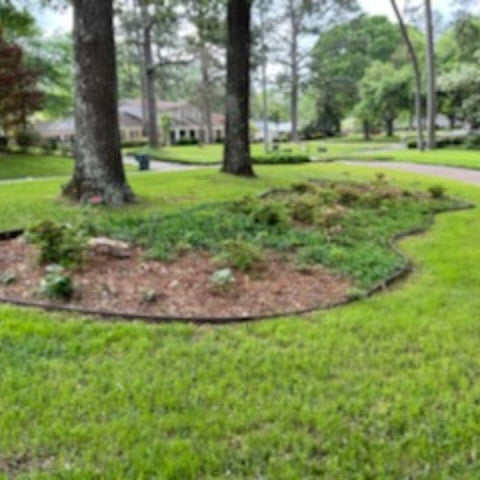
(192, 134)
(182, 133)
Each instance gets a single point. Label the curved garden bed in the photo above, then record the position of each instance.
(315, 246)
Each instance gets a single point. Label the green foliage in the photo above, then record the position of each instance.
(134, 143)
(242, 255)
(437, 191)
(187, 141)
(26, 139)
(279, 157)
(58, 243)
(57, 286)
(7, 278)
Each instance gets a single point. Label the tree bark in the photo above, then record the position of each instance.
(417, 72)
(294, 78)
(366, 130)
(147, 25)
(98, 160)
(389, 127)
(207, 109)
(266, 140)
(431, 92)
(237, 159)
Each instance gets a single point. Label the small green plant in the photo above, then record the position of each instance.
(222, 280)
(270, 213)
(60, 244)
(348, 194)
(7, 278)
(242, 255)
(57, 286)
(303, 208)
(437, 191)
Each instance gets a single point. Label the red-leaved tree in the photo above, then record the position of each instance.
(19, 96)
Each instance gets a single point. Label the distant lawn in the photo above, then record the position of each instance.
(18, 166)
(212, 154)
(451, 157)
(24, 165)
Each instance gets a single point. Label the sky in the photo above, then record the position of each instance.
(52, 22)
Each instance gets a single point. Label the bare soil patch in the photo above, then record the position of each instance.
(181, 288)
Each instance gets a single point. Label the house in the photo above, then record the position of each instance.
(276, 131)
(185, 123)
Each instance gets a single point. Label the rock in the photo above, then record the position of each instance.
(109, 247)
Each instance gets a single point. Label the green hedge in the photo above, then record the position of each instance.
(280, 158)
(442, 142)
(134, 143)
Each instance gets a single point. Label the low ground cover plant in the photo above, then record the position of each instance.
(346, 226)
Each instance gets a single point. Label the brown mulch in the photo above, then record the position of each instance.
(181, 288)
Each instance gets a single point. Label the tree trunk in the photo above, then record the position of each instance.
(366, 130)
(98, 160)
(389, 127)
(418, 75)
(431, 92)
(207, 109)
(147, 24)
(237, 142)
(451, 122)
(294, 86)
(266, 140)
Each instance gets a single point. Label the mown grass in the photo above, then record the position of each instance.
(20, 165)
(37, 165)
(450, 157)
(212, 154)
(386, 388)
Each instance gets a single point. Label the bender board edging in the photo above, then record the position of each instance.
(383, 285)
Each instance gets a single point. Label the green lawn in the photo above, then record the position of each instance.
(18, 165)
(450, 157)
(386, 388)
(24, 165)
(211, 154)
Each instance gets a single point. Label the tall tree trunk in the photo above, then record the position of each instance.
(431, 92)
(418, 75)
(294, 80)
(147, 25)
(390, 127)
(98, 160)
(236, 158)
(366, 130)
(266, 140)
(207, 109)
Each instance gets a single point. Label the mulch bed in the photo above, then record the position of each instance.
(181, 288)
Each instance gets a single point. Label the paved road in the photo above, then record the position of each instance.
(465, 175)
(158, 166)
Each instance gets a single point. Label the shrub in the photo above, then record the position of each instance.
(3, 144)
(26, 139)
(437, 191)
(442, 142)
(270, 213)
(57, 286)
(58, 243)
(302, 209)
(134, 143)
(348, 194)
(242, 255)
(187, 141)
(277, 158)
(49, 145)
(472, 142)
